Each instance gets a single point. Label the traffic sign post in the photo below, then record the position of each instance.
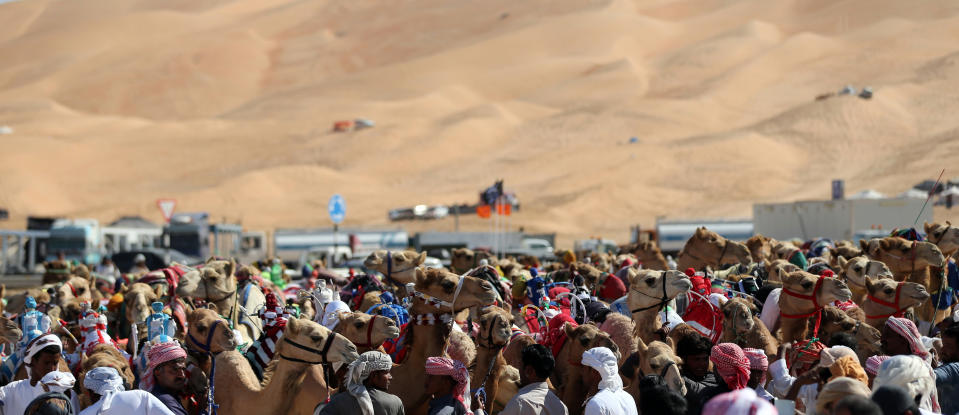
(337, 210)
(166, 208)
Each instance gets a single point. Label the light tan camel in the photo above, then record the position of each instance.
(217, 284)
(802, 296)
(463, 260)
(887, 298)
(428, 333)
(760, 248)
(913, 262)
(854, 271)
(569, 376)
(845, 249)
(657, 358)
(9, 331)
(835, 321)
(778, 268)
(742, 326)
(72, 292)
(499, 380)
(366, 332)
(708, 248)
(649, 254)
(945, 236)
(399, 266)
(649, 291)
(102, 355)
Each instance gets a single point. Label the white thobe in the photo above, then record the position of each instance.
(607, 402)
(17, 395)
(131, 402)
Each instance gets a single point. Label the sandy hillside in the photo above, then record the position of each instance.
(227, 106)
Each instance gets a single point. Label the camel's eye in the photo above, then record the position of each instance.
(81, 290)
(906, 249)
(316, 339)
(358, 324)
(807, 285)
(726, 312)
(650, 281)
(857, 269)
(400, 259)
(202, 327)
(584, 341)
(939, 233)
(448, 285)
(888, 291)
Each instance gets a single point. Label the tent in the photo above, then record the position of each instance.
(913, 194)
(867, 194)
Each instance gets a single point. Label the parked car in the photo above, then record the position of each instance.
(157, 258)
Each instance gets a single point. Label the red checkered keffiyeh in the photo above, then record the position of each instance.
(907, 329)
(757, 361)
(732, 364)
(873, 362)
(444, 366)
(158, 355)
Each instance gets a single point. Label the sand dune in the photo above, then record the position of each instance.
(227, 105)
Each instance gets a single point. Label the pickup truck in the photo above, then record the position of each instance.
(539, 248)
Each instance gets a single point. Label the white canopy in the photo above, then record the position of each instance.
(952, 191)
(867, 194)
(913, 194)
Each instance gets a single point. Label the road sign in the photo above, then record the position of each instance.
(337, 209)
(166, 208)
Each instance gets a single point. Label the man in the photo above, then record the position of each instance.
(50, 403)
(367, 380)
(447, 381)
(947, 375)
(610, 397)
(901, 337)
(42, 356)
(694, 351)
(105, 387)
(894, 400)
(139, 265)
(758, 365)
(535, 398)
(856, 405)
(165, 376)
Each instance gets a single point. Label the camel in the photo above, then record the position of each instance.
(102, 355)
(649, 254)
(803, 295)
(835, 321)
(760, 248)
(778, 268)
(742, 326)
(56, 271)
(217, 284)
(366, 332)
(464, 259)
(845, 249)
(854, 271)
(9, 331)
(649, 291)
(913, 262)
(620, 329)
(513, 352)
(657, 358)
(136, 301)
(945, 236)
(569, 375)
(499, 380)
(887, 298)
(708, 248)
(399, 267)
(438, 294)
(72, 292)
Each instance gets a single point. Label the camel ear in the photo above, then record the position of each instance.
(211, 259)
(864, 245)
(231, 268)
(213, 307)
(641, 346)
(671, 343)
(293, 326)
(419, 275)
(869, 283)
(421, 259)
(927, 227)
(568, 329)
(841, 262)
(886, 243)
(159, 291)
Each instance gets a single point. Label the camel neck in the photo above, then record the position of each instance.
(486, 357)
(286, 381)
(428, 340)
(646, 323)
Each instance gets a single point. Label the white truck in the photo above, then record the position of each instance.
(673, 234)
(837, 219)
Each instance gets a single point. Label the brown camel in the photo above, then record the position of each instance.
(500, 381)
(102, 355)
(463, 259)
(428, 333)
(513, 352)
(760, 248)
(845, 249)
(913, 262)
(854, 271)
(658, 358)
(802, 296)
(649, 291)
(569, 375)
(9, 331)
(56, 271)
(399, 266)
(708, 248)
(778, 268)
(887, 298)
(741, 325)
(945, 236)
(217, 284)
(649, 254)
(365, 331)
(835, 321)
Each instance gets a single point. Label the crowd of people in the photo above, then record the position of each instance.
(910, 374)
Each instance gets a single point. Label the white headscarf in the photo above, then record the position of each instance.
(40, 343)
(361, 369)
(104, 381)
(604, 361)
(912, 374)
(830, 355)
(58, 381)
(330, 317)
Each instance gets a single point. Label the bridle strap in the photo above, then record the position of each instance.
(369, 332)
(812, 297)
(893, 305)
(322, 353)
(719, 262)
(662, 300)
(205, 347)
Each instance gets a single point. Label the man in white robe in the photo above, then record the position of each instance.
(42, 356)
(611, 399)
(105, 387)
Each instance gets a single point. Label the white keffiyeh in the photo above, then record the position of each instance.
(104, 381)
(604, 361)
(361, 369)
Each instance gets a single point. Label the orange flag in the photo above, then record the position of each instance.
(504, 209)
(483, 211)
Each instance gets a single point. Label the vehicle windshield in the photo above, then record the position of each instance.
(186, 243)
(66, 245)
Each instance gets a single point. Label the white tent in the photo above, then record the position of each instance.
(952, 191)
(913, 194)
(867, 194)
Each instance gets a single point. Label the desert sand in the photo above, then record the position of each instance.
(227, 106)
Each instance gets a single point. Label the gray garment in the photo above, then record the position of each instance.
(535, 399)
(383, 404)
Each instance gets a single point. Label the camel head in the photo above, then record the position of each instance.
(777, 269)
(599, 260)
(709, 247)
(646, 286)
(621, 260)
(397, 265)
(902, 294)
(646, 251)
(74, 289)
(945, 236)
(738, 315)
(825, 289)
(313, 335)
(201, 321)
(834, 320)
(591, 275)
(213, 281)
(105, 355)
(136, 300)
(587, 336)
(845, 249)
(442, 285)
(366, 330)
(857, 269)
(902, 255)
(658, 357)
(760, 248)
(495, 327)
(9, 331)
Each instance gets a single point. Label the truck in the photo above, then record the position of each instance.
(193, 235)
(595, 245)
(77, 239)
(671, 234)
(129, 233)
(843, 219)
(512, 243)
(289, 245)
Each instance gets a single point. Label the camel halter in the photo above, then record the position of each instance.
(389, 268)
(915, 253)
(944, 233)
(480, 393)
(369, 332)
(211, 405)
(320, 352)
(812, 297)
(893, 305)
(663, 373)
(662, 300)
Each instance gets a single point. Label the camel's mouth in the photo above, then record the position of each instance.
(843, 294)
(920, 296)
(683, 284)
(392, 332)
